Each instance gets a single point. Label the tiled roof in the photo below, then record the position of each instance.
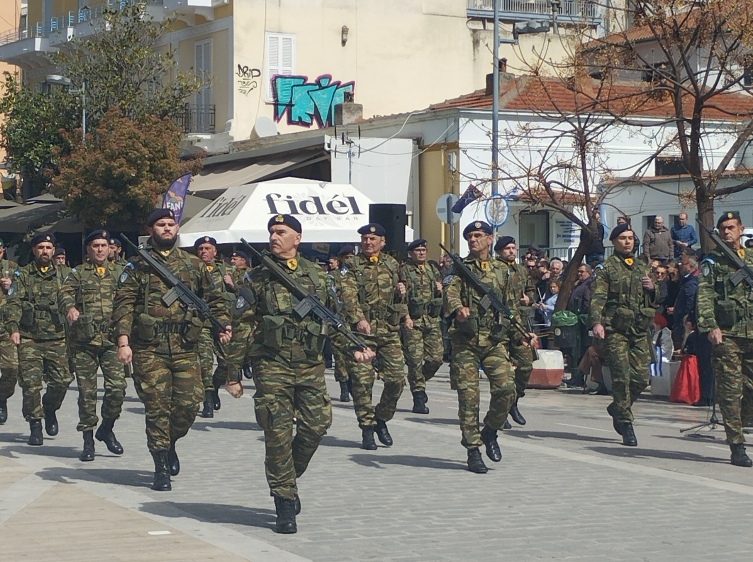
(554, 95)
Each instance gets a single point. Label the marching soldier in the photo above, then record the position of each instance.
(86, 300)
(341, 372)
(115, 247)
(291, 394)
(726, 314)
(621, 313)
(161, 341)
(373, 298)
(422, 331)
(522, 291)
(59, 259)
(481, 337)
(8, 350)
(38, 329)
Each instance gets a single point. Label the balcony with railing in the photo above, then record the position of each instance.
(580, 11)
(196, 119)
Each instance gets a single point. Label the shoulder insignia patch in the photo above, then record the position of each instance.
(707, 267)
(344, 269)
(240, 303)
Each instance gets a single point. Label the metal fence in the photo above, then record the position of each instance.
(586, 10)
(196, 119)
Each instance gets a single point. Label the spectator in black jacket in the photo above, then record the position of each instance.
(684, 305)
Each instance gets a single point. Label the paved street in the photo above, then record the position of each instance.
(565, 489)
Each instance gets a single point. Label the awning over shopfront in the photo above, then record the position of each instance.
(20, 218)
(328, 212)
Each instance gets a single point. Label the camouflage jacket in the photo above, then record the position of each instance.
(91, 290)
(484, 327)
(32, 308)
(618, 300)
(369, 291)
(217, 271)
(719, 303)
(140, 291)
(8, 269)
(424, 300)
(520, 284)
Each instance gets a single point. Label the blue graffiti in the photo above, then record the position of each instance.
(306, 102)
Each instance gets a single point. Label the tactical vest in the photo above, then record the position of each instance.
(40, 317)
(94, 300)
(423, 299)
(732, 309)
(628, 309)
(376, 308)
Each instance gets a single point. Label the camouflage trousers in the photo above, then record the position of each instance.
(208, 348)
(87, 359)
(8, 367)
(522, 358)
(341, 371)
(170, 387)
(392, 371)
(236, 352)
(423, 349)
(288, 398)
(628, 358)
(495, 360)
(41, 361)
(733, 368)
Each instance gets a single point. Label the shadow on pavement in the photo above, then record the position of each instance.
(559, 435)
(201, 425)
(123, 477)
(139, 411)
(215, 513)
(638, 452)
(332, 441)
(432, 421)
(46, 450)
(14, 437)
(371, 460)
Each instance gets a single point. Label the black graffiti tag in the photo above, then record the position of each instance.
(248, 78)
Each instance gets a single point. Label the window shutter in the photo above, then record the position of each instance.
(280, 58)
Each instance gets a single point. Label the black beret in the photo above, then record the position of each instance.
(158, 214)
(619, 229)
(59, 252)
(728, 216)
(477, 225)
(204, 240)
(503, 242)
(97, 235)
(287, 220)
(346, 250)
(240, 254)
(116, 242)
(39, 238)
(416, 243)
(372, 228)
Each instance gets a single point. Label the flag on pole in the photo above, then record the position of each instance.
(175, 197)
(468, 197)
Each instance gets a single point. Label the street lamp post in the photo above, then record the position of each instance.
(65, 81)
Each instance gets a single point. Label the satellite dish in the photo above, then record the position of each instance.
(264, 127)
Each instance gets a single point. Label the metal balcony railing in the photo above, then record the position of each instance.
(196, 118)
(582, 10)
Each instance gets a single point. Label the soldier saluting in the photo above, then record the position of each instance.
(161, 339)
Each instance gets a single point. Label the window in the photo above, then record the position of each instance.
(670, 166)
(280, 58)
(203, 68)
(534, 229)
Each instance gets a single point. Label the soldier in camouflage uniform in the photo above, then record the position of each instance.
(373, 298)
(335, 280)
(38, 328)
(622, 294)
(726, 314)
(422, 331)
(239, 276)
(86, 300)
(291, 394)
(521, 286)
(59, 259)
(161, 342)
(8, 350)
(480, 337)
(206, 249)
(114, 257)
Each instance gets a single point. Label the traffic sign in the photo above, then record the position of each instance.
(497, 210)
(444, 208)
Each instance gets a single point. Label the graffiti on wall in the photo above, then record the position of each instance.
(307, 102)
(247, 79)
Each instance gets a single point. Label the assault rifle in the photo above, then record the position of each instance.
(744, 272)
(489, 297)
(308, 303)
(178, 289)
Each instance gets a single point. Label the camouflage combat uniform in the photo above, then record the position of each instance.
(291, 395)
(33, 311)
(723, 305)
(8, 350)
(334, 280)
(91, 289)
(422, 346)
(621, 304)
(481, 340)
(209, 346)
(369, 291)
(164, 340)
(520, 284)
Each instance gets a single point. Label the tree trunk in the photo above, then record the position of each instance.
(571, 274)
(705, 209)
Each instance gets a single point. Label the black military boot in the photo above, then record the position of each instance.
(161, 472)
(3, 411)
(615, 424)
(297, 505)
(106, 435)
(628, 435)
(51, 423)
(285, 523)
(173, 461)
(88, 453)
(383, 433)
(208, 410)
(35, 437)
(739, 457)
(419, 402)
(350, 387)
(475, 462)
(367, 438)
(344, 392)
(489, 437)
(507, 425)
(216, 404)
(515, 414)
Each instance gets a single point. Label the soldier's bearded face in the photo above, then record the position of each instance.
(371, 244)
(731, 231)
(624, 242)
(206, 252)
(164, 233)
(98, 251)
(509, 252)
(43, 252)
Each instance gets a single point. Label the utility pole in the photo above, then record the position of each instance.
(495, 103)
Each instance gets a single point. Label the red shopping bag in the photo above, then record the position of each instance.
(687, 387)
